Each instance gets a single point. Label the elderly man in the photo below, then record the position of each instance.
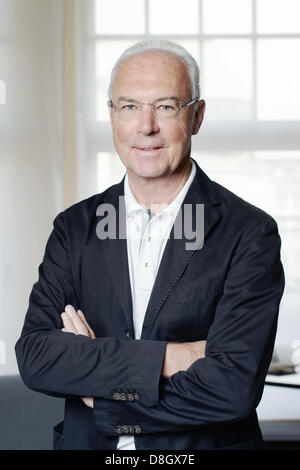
(153, 343)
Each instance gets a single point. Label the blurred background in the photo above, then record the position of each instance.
(56, 145)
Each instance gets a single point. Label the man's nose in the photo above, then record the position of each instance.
(147, 120)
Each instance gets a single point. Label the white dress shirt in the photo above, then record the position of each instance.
(146, 240)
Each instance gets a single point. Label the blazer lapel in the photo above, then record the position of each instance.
(176, 257)
(115, 254)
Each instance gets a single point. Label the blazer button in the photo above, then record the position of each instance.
(117, 396)
(130, 397)
(136, 396)
(123, 396)
(125, 429)
(119, 429)
(131, 429)
(137, 429)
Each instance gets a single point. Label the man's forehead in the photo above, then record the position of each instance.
(152, 58)
(152, 68)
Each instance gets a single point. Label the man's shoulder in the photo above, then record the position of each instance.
(85, 210)
(239, 209)
(231, 205)
(235, 209)
(109, 195)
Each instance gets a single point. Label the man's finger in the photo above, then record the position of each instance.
(88, 401)
(68, 324)
(77, 321)
(91, 333)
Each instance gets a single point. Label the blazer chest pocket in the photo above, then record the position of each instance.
(195, 291)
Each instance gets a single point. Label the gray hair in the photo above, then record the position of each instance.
(166, 46)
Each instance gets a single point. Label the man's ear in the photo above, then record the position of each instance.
(199, 115)
(109, 105)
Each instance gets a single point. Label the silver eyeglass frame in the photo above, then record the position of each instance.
(186, 105)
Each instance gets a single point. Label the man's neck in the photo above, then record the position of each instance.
(157, 193)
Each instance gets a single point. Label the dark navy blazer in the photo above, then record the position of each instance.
(227, 293)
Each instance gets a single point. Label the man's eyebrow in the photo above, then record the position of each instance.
(126, 98)
(168, 98)
(132, 100)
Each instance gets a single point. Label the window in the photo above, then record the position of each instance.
(248, 54)
(246, 50)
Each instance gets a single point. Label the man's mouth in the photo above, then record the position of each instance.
(148, 149)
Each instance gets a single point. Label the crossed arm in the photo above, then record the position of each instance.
(178, 356)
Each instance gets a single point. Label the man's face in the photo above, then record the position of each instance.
(151, 146)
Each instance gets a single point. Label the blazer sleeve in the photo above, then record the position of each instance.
(63, 364)
(227, 384)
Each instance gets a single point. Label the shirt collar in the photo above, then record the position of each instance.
(132, 206)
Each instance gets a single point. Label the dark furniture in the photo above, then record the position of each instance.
(26, 417)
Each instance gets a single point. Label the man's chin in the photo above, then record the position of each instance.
(148, 168)
(146, 173)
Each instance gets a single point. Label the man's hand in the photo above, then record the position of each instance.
(180, 356)
(75, 322)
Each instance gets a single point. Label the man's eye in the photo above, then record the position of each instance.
(128, 107)
(166, 107)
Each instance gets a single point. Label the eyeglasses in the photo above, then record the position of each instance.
(163, 108)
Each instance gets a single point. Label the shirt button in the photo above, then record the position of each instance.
(119, 429)
(137, 429)
(117, 396)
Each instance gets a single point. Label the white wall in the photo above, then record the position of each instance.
(30, 153)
